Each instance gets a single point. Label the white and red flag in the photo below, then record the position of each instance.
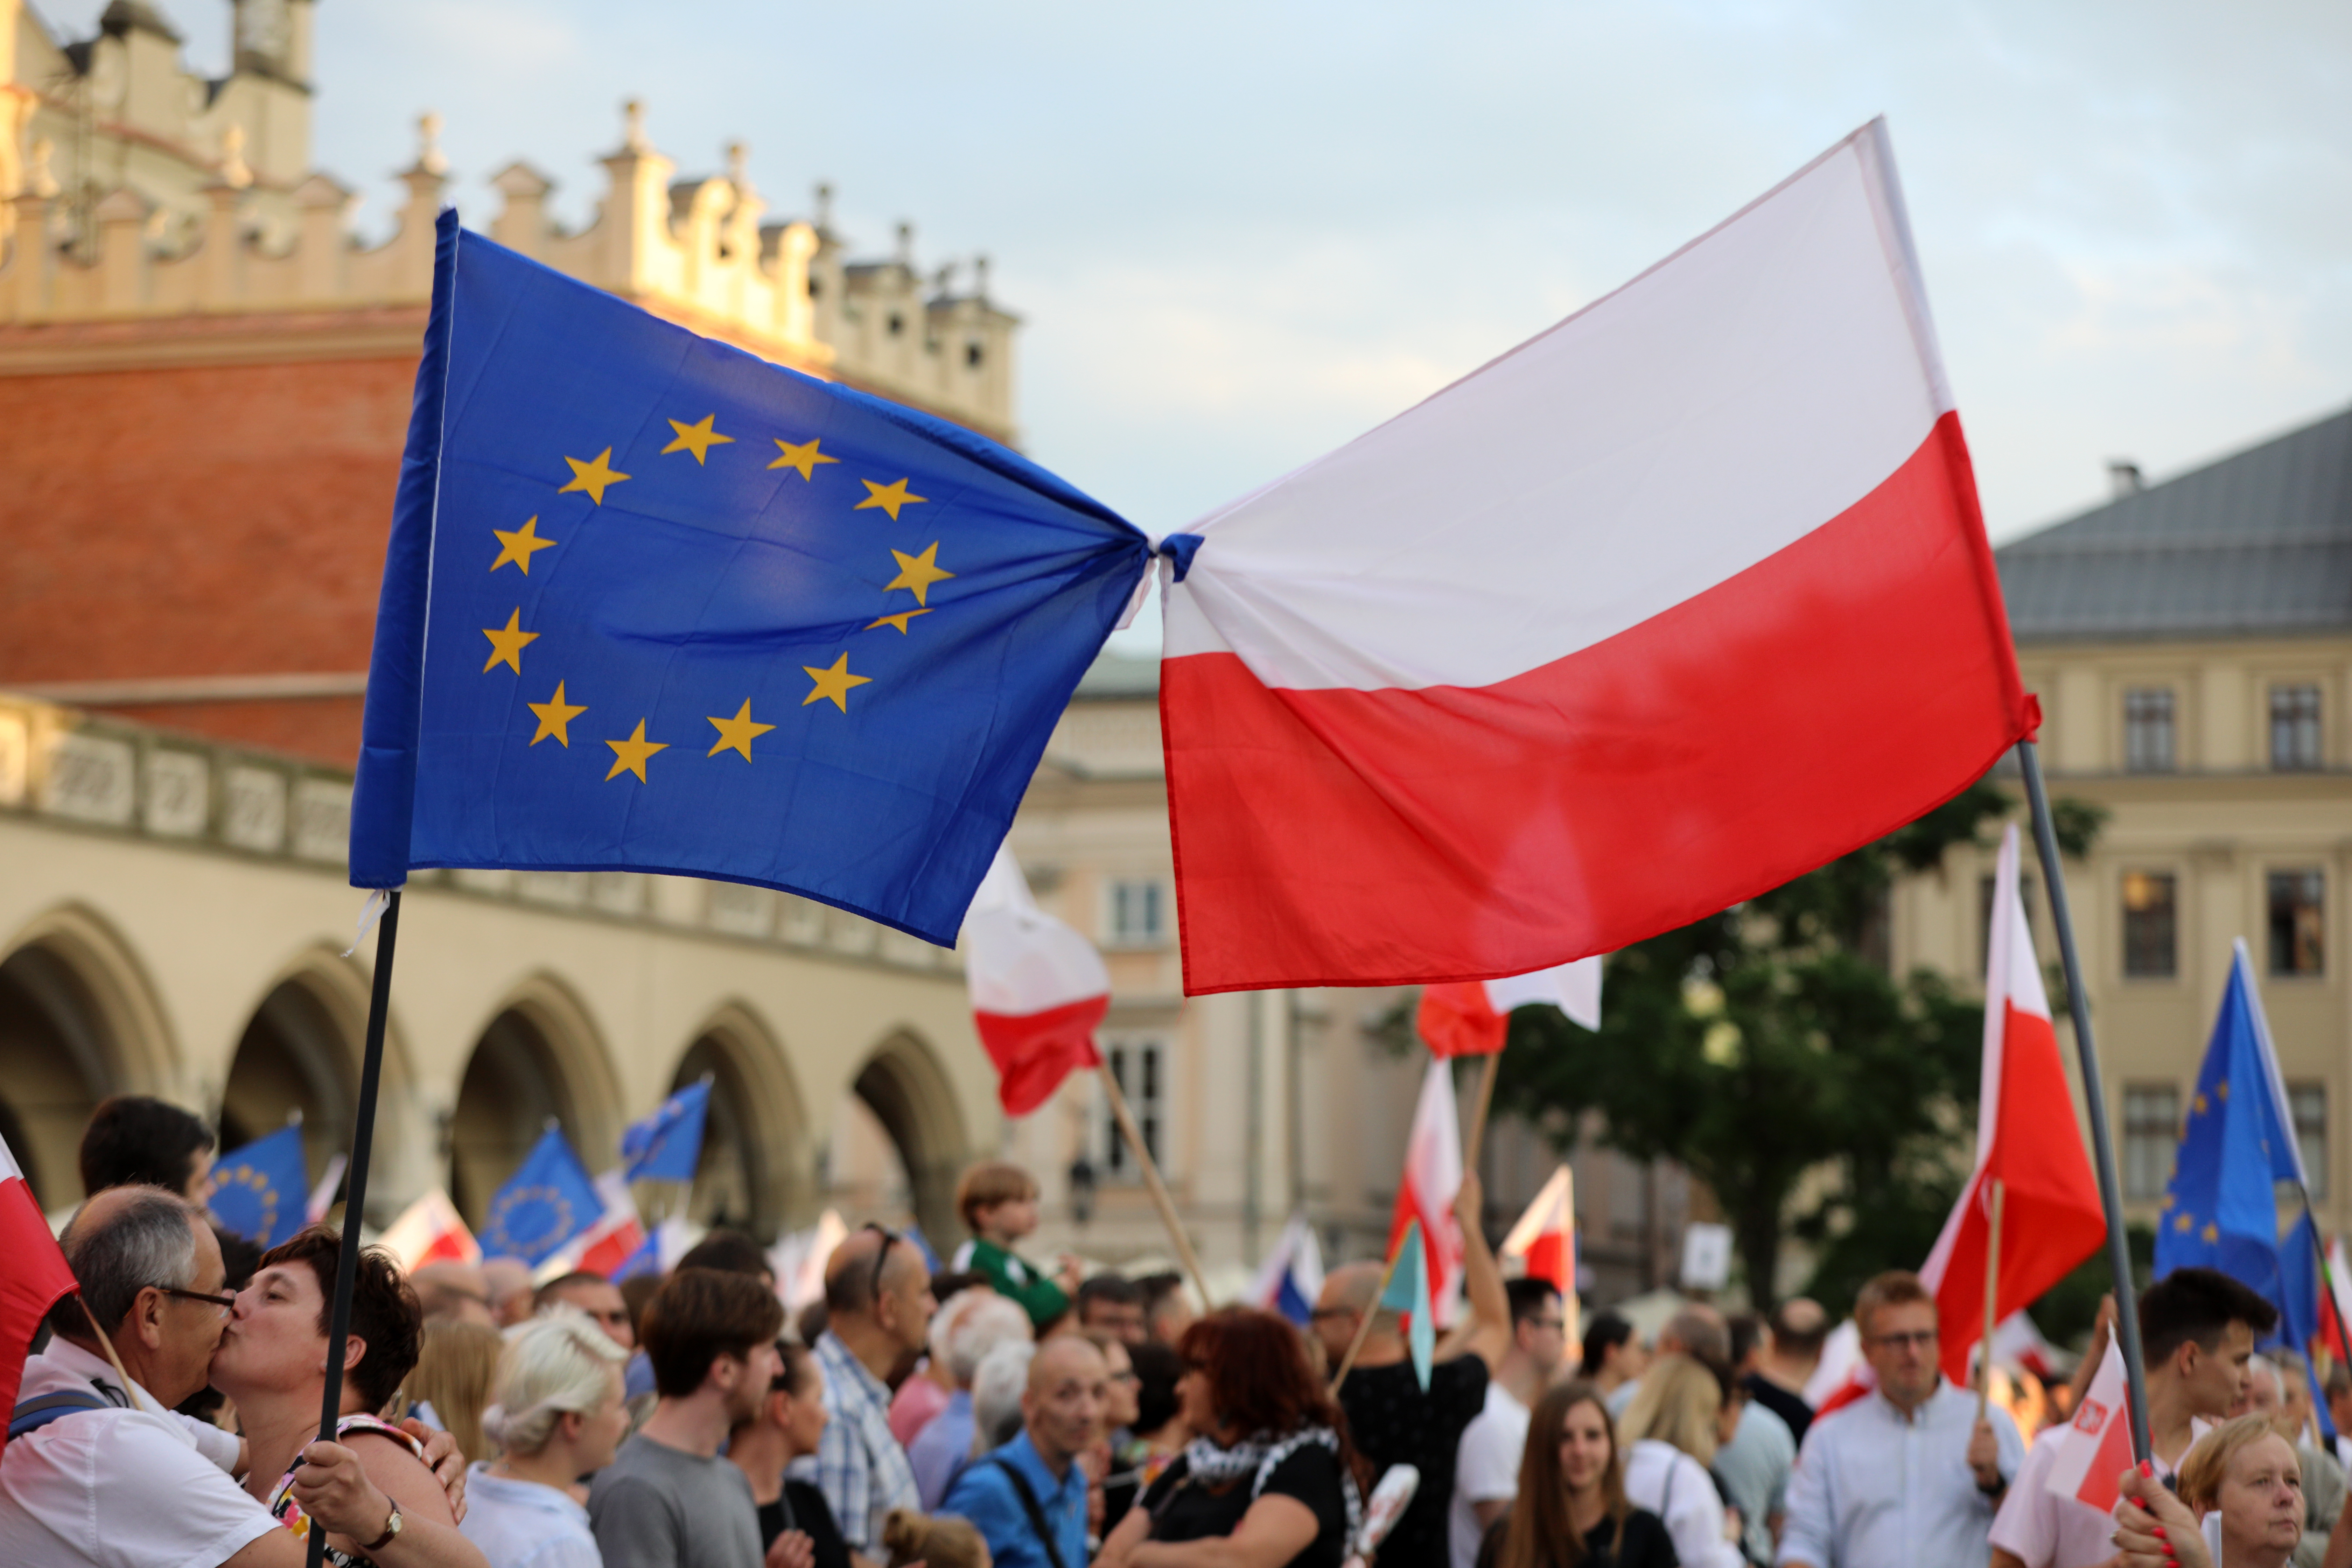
(1472, 1017)
(1038, 989)
(2026, 1140)
(1432, 1176)
(430, 1231)
(604, 1246)
(2335, 1302)
(2095, 1448)
(1545, 1237)
(33, 1279)
(1679, 600)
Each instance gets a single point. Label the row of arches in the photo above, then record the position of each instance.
(78, 1022)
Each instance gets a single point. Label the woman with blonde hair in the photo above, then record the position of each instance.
(1572, 1507)
(450, 1385)
(2249, 1475)
(1670, 1431)
(559, 1414)
(915, 1540)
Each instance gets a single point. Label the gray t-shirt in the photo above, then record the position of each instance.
(659, 1507)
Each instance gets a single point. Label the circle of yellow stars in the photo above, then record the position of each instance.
(593, 476)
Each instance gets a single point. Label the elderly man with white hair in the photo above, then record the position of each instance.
(2278, 1385)
(973, 1323)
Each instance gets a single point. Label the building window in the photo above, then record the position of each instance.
(2147, 729)
(974, 353)
(2151, 1135)
(898, 323)
(2025, 891)
(1140, 1067)
(2308, 1104)
(2150, 924)
(2298, 932)
(1139, 914)
(2294, 728)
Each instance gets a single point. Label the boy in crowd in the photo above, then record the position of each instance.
(998, 1201)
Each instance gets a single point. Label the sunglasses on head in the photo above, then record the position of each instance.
(890, 1238)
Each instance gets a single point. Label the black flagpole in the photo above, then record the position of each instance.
(347, 1256)
(2103, 1147)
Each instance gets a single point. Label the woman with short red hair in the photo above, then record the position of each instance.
(1271, 1482)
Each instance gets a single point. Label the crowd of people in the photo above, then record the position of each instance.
(998, 1411)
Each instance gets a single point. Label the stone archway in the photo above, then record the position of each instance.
(78, 1022)
(909, 1092)
(540, 1058)
(755, 1170)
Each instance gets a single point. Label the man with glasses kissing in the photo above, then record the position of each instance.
(1906, 1474)
(878, 1305)
(98, 1469)
(1486, 1461)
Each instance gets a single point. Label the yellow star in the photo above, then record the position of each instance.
(506, 642)
(554, 715)
(2184, 1222)
(698, 438)
(833, 683)
(2221, 1089)
(2198, 1105)
(629, 755)
(592, 475)
(804, 458)
(899, 620)
(919, 572)
(520, 545)
(2213, 1233)
(889, 497)
(737, 733)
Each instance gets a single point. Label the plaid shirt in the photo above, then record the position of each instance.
(859, 1466)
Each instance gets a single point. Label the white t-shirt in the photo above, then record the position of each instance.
(1676, 1487)
(122, 1488)
(2043, 1530)
(1485, 1469)
(522, 1525)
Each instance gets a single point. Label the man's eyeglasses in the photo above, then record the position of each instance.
(1561, 1323)
(1918, 1338)
(227, 1304)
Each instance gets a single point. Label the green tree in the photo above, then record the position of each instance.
(1758, 1044)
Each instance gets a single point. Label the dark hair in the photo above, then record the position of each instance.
(1157, 1288)
(135, 1140)
(2196, 1305)
(799, 1366)
(699, 1315)
(239, 1258)
(1528, 1297)
(950, 1282)
(1538, 1533)
(812, 1321)
(1117, 1290)
(636, 1292)
(385, 1313)
(1603, 1333)
(731, 1252)
(1747, 1333)
(1156, 1367)
(1799, 1327)
(1259, 1381)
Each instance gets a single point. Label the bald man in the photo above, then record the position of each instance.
(1391, 1419)
(1035, 1479)
(878, 1304)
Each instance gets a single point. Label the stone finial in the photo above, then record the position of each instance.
(907, 245)
(633, 126)
(738, 164)
(980, 277)
(823, 206)
(430, 159)
(233, 171)
(38, 181)
(943, 281)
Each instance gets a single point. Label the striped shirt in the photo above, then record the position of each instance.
(858, 1465)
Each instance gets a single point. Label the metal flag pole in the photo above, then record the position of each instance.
(2103, 1147)
(1166, 1205)
(347, 1254)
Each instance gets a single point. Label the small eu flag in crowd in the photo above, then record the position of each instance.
(652, 604)
(667, 1145)
(260, 1191)
(547, 1202)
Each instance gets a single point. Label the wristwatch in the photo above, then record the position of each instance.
(391, 1533)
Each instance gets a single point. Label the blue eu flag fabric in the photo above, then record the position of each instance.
(652, 604)
(667, 1145)
(2221, 1210)
(547, 1202)
(260, 1191)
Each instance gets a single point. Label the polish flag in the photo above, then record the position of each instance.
(2026, 1140)
(1544, 1236)
(1038, 989)
(1674, 603)
(1471, 1018)
(2335, 1302)
(604, 1246)
(35, 1280)
(2095, 1448)
(430, 1231)
(1432, 1176)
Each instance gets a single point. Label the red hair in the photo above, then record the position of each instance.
(1259, 1379)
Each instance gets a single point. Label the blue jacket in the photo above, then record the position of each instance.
(983, 1495)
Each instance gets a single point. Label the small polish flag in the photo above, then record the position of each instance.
(1470, 1018)
(35, 1280)
(2095, 1448)
(322, 1197)
(604, 1246)
(2335, 1302)
(1432, 1176)
(1544, 1236)
(2017, 1342)
(430, 1231)
(1038, 989)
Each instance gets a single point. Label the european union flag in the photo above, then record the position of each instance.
(546, 1203)
(667, 1145)
(260, 1191)
(2221, 1210)
(652, 604)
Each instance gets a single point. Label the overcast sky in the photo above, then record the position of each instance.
(1241, 234)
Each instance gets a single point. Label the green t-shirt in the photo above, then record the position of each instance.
(1039, 1297)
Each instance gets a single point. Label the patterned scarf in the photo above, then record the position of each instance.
(1257, 1457)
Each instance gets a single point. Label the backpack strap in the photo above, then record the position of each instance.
(35, 1413)
(1029, 1506)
